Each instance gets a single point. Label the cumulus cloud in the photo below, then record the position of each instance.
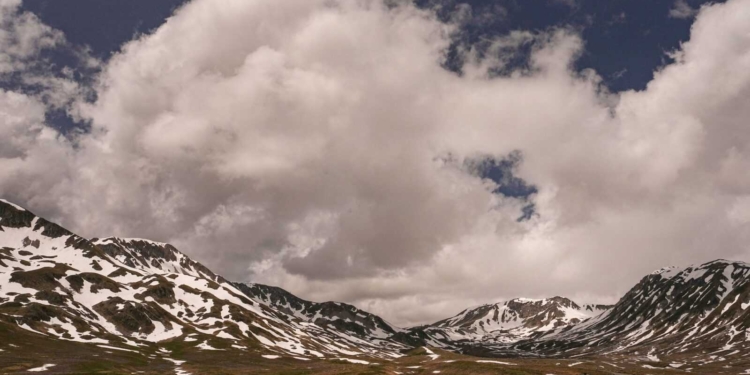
(322, 147)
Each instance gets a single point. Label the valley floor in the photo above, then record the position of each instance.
(22, 351)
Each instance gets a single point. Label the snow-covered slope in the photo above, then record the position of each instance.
(520, 317)
(133, 292)
(698, 314)
(152, 256)
(509, 321)
(698, 311)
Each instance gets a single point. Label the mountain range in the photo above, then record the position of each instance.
(137, 295)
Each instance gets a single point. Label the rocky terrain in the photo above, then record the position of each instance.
(699, 313)
(335, 315)
(142, 303)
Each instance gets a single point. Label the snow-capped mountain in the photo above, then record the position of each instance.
(133, 292)
(694, 311)
(519, 318)
(508, 322)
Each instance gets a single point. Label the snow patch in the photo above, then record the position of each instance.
(40, 369)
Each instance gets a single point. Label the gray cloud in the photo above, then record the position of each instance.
(682, 10)
(301, 143)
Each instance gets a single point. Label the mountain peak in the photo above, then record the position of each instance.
(153, 255)
(672, 271)
(673, 311)
(134, 292)
(512, 320)
(136, 240)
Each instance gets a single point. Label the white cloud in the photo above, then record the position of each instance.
(22, 37)
(300, 143)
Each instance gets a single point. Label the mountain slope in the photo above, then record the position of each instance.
(138, 295)
(339, 316)
(699, 312)
(505, 322)
(152, 256)
(134, 293)
(519, 318)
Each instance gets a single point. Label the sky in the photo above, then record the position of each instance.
(411, 158)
